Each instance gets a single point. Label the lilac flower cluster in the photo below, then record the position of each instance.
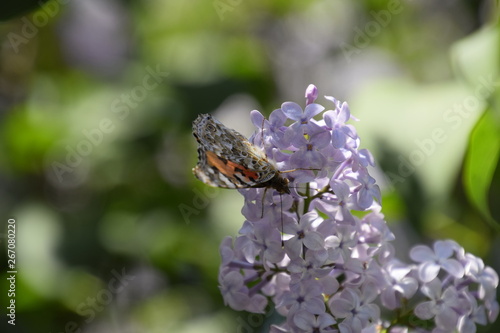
(323, 255)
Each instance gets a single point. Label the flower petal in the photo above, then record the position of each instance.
(257, 304)
(313, 241)
(339, 138)
(292, 110)
(421, 253)
(443, 249)
(312, 109)
(447, 319)
(428, 271)
(341, 308)
(315, 305)
(304, 320)
(454, 267)
(425, 310)
(257, 118)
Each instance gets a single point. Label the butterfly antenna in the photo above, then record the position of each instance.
(262, 134)
(292, 170)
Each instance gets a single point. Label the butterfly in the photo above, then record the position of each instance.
(227, 159)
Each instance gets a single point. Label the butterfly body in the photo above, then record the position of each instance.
(227, 159)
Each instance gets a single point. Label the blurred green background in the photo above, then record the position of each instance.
(114, 234)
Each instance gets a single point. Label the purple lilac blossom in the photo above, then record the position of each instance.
(326, 269)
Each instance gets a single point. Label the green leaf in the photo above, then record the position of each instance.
(481, 161)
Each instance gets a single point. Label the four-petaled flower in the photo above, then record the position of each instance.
(445, 305)
(400, 285)
(304, 235)
(433, 261)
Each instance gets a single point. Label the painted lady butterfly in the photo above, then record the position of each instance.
(227, 159)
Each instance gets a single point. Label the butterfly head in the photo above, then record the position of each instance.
(280, 184)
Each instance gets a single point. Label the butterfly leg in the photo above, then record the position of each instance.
(281, 215)
(262, 203)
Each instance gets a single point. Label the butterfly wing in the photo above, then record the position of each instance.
(226, 158)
